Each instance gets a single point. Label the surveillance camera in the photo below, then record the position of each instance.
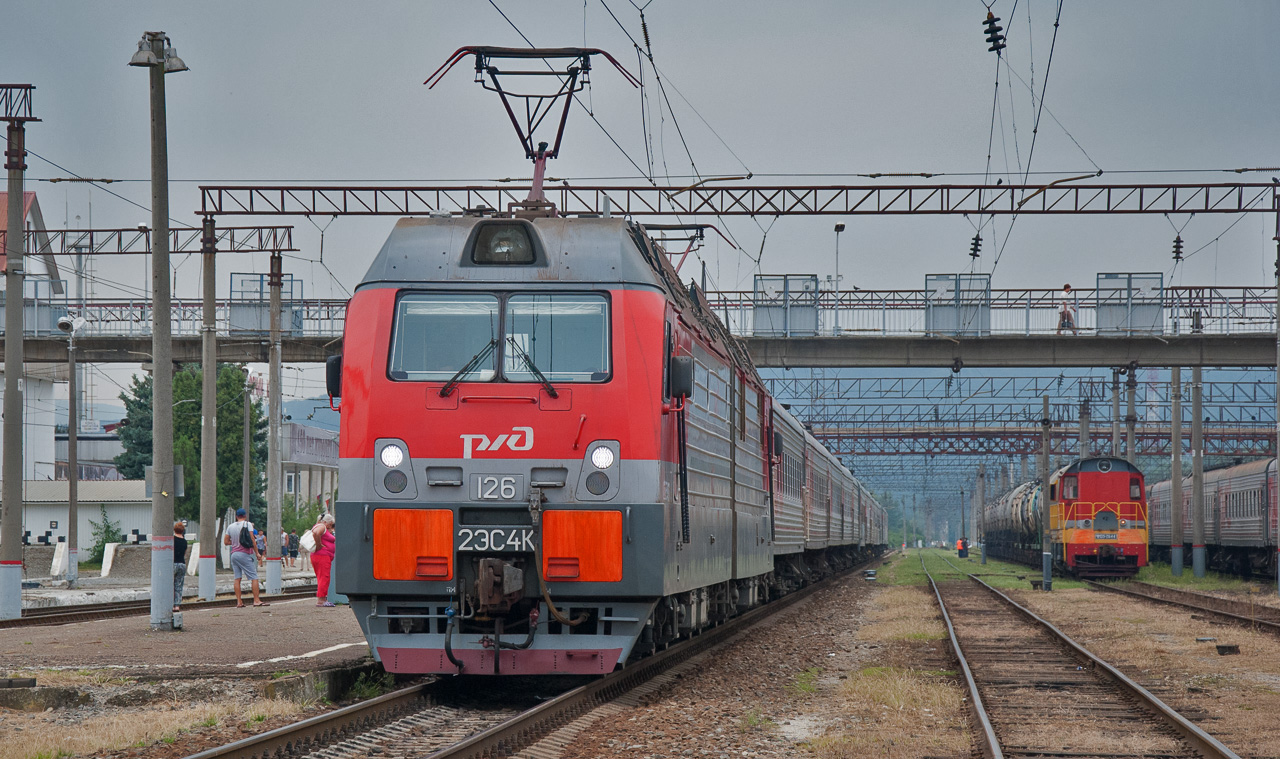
(66, 323)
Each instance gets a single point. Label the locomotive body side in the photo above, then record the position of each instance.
(521, 492)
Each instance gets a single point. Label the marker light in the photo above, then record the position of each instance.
(602, 457)
(392, 455)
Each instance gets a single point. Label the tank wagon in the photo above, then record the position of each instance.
(1239, 517)
(555, 458)
(1097, 520)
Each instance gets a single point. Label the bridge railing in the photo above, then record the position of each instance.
(1222, 310)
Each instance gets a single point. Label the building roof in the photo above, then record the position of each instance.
(90, 491)
(43, 266)
(28, 198)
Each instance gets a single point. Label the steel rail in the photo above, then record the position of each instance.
(987, 735)
(1206, 744)
(324, 728)
(1243, 619)
(65, 615)
(530, 726)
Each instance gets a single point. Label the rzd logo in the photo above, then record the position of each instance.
(519, 439)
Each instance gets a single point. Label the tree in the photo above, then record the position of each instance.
(136, 438)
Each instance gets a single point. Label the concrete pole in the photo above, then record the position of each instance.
(274, 572)
(73, 466)
(162, 484)
(913, 515)
(981, 504)
(248, 443)
(1176, 514)
(11, 487)
(1046, 539)
(1025, 473)
(1197, 477)
(1115, 413)
(1275, 502)
(1084, 428)
(1131, 417)
(208, 419)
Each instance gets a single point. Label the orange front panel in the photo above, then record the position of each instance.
(413, 544)
(582, 546)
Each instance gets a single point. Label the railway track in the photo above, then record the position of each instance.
(1037, 693)
(466, 718)
(1250, 615)
(63, 615)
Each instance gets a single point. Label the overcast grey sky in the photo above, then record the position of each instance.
(310, 91)
(293, 91)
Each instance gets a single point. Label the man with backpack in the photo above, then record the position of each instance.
(244, 555)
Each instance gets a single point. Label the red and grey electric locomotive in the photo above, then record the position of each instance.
(555, 457)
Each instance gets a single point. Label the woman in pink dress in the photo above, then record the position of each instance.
(322, 557)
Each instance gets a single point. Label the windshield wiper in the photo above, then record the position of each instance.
(471, 366)
(533, 368)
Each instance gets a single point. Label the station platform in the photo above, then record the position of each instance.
(289, 635)
(96, 590)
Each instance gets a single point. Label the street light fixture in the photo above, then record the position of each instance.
(71, 324)
(157, 55)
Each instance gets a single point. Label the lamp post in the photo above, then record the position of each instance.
(71, 325)
(839, 229)
(158, 56)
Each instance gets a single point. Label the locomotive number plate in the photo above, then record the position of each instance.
(497, 487)
(1104, 536)
(495, 539)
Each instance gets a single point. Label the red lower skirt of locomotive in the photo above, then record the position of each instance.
(1093, 560)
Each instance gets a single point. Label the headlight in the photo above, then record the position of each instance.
(602, 457)
(391, 456)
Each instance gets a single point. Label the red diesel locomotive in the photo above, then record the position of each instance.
(1097, 520)
(554, 457)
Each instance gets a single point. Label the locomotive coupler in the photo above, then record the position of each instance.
(499, 585)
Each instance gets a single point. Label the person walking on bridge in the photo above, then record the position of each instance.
(1067, 310)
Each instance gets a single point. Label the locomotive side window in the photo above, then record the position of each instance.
(1070, 488)
(437, 334)
(566, 336)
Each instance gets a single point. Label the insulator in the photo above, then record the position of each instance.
(644, 29)
(993, 33)
(975, 246)
(1177, 248)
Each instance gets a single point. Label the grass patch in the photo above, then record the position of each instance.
(806, 682)
(284, 674)
(944, 565)
(369, 686)
(1162, 574)
(753, 720)
(125, 728)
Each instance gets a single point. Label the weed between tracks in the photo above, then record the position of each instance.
(906, 709)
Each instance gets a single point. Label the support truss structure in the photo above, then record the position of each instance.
(725, 200)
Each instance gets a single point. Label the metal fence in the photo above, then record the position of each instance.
(1222, 310)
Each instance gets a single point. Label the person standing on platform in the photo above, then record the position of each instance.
(322, 557)
(179, 562)
(292, 542)
(243, 558)
(260, 540)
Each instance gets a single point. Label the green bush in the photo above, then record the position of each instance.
(104, 532)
